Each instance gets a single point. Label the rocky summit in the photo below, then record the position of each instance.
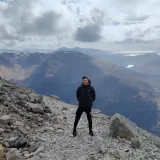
(39, 127)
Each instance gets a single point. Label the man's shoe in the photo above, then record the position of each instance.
(74, 133)
(91, 132)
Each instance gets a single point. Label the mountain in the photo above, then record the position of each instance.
(34, 126)
(144, 62)
(4, 61)
(26, 60)
(118, 89)
(89, 51)
(18, 66)
(147, 64)
(140, 61)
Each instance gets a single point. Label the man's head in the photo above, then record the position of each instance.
(85, 80)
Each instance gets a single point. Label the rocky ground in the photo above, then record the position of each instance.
(36, 127)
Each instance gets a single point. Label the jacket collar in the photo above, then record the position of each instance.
(85, 85)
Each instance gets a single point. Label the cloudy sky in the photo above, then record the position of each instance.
(106, 24)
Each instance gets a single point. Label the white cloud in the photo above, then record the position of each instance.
(50, 24)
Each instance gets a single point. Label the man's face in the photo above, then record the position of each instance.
(85, 81)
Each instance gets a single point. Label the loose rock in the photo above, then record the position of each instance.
(4, 120)
(36, 108)
(135, 143)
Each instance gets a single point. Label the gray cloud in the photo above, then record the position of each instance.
(5, 35)
(46, 24)
(17, 8)
(14, 16)
(89, 33)
(20, 21)
(92, 31)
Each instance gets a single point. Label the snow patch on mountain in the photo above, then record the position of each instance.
(135, 53)
(130, 66)
(132, 55)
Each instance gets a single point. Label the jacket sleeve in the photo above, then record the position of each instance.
(93, 94)
(78, 93)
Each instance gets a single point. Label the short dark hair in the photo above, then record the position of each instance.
(84, 77)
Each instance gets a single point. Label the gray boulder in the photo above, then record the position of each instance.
(3, 98)
(19, 142)
(135, 143)
(35, 108)
(47, 109)
(13, 154)
(119, 154)
(35, 98)
(4, 120)
(33, 147)
(122, 127)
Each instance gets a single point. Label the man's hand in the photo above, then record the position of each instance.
(78, 94)
(93, 94)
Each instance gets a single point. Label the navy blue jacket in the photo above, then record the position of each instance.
(86, 95)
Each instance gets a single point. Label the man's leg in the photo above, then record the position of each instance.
(79, 112)
(89, 117)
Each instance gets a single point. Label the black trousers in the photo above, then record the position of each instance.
(79, 112)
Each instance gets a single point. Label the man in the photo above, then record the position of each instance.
(86, 96)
